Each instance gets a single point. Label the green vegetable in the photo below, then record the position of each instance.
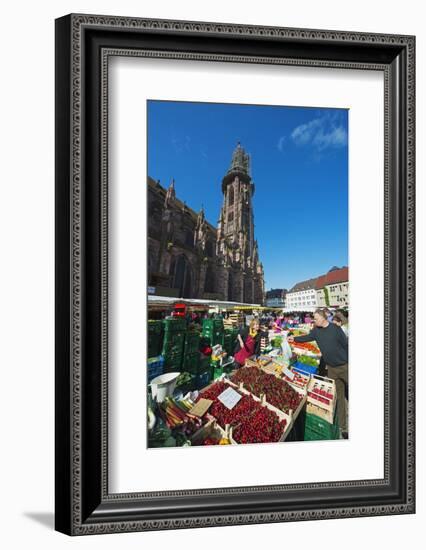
(311, 361)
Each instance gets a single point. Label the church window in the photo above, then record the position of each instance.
(209, 283)
(182, 276)
(189, 238)
(231, 196)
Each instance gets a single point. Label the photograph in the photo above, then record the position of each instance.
(247, 274)
(234, 204)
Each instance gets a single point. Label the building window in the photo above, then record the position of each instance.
(189, 238)
(209, 248)
(231, 196)
(209, 282)
(231, 216)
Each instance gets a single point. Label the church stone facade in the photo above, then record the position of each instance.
(188, 257)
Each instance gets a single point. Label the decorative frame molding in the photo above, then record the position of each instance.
(84, 43)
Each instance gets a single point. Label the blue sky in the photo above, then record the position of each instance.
(299, 164)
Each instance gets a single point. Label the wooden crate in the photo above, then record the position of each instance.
(281, 414)
(321, 397)
(210, 429)
(325, 414)
(290, 416)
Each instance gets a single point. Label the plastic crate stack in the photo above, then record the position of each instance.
(191, 354)
(213, 330)
(173, 342)
(155, 338)
(230, 340)
(204, 372)
(318, 429)
(155, 367)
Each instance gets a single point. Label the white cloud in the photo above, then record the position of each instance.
(281, 142)
(322, 132)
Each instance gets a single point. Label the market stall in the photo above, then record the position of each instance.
(197, 396)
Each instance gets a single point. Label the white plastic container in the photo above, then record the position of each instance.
(164, 385)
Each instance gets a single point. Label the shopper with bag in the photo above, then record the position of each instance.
(333, 345)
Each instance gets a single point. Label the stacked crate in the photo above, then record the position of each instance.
(155, 367)
(204, 372)
(318, 429)
(227, 342)
(173, 342)
(264, 341)
(235, 319)
(213, 330)
(191, 352)
(155, 338)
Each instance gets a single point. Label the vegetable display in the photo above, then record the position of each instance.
(311, 361)
(308, 346)
(175, 413)
(184, 378)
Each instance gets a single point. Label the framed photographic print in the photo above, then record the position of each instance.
(234, 251)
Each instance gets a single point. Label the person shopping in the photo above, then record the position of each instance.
(333, 345)
(341, 321)
(248, 343)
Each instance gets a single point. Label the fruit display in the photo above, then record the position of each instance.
(264, 426)
(322, 398)
(242, 410)
(252, 422)
(321, 392)
(278, 393)
(299, 380)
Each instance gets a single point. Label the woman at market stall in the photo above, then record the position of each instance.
(248, 343)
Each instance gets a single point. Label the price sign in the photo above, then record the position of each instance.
(229, 398)
(289, 374)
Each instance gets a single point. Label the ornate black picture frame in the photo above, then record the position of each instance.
(83, 45)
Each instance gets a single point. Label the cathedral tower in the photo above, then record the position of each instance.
(236, 245)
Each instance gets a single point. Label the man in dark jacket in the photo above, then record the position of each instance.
(333, 345)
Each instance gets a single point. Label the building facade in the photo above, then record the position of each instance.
(333, 288)
(276, 297)
(188, 257)
(302, 296)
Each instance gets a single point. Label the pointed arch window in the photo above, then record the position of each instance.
(209, 282)
(231, 196)
(181, 276)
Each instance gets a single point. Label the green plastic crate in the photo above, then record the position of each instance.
(190, 362)
(213, 325)
(173, 324)
(155, 327)
(174, 338)
(192, 342)
(317, 429)
(215, 338)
